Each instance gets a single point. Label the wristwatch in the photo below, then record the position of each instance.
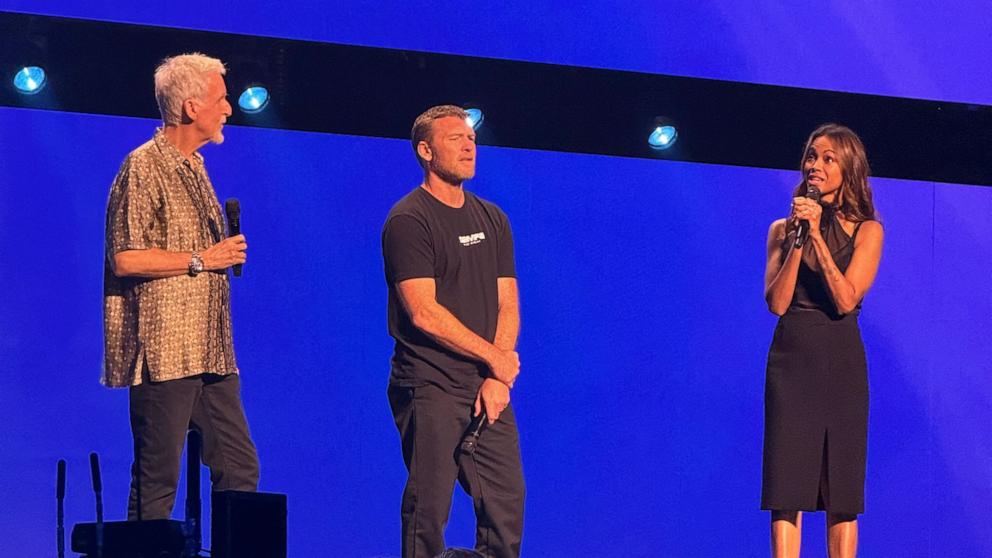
(195, 264)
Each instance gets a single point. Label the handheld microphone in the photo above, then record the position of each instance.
(98, 491)
(471, 439)
(802, 233)
(232, 207)
(60, 496)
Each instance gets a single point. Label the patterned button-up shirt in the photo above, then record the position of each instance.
(163, 329)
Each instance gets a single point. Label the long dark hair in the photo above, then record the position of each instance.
(854, 199)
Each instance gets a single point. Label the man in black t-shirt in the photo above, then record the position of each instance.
(454, 313)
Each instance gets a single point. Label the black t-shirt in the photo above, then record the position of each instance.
(464, 250)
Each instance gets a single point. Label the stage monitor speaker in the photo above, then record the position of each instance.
(131, 539)
(247, 525)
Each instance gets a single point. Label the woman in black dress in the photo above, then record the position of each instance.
(816, 384)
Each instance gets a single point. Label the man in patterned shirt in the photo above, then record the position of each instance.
(167, 318)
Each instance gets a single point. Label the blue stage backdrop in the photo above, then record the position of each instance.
(644, 329)
(643, 344)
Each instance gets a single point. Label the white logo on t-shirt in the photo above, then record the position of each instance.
(471, 239)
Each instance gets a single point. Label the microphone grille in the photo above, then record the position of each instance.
(232, 207)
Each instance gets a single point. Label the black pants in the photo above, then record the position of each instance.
(161, 414)
(431, 425)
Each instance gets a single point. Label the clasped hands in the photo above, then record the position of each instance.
(494, 395)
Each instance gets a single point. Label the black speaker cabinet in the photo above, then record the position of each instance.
(248, 525)
(131, 539)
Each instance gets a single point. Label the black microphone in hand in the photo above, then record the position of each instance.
(802, 233)
(471, 439)
(232, 207)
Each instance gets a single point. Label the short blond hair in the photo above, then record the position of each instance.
(424, 124)
(183, 77)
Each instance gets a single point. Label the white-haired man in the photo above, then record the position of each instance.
(167, 319)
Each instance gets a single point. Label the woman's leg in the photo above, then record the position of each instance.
(842, 535)
(787, 528)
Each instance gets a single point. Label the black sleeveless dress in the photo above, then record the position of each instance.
(816, 394)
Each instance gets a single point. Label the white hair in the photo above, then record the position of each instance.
(180, 78)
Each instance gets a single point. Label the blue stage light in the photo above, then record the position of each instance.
(474, 118)
(663, 137)
(254, 99)
(29, 80)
